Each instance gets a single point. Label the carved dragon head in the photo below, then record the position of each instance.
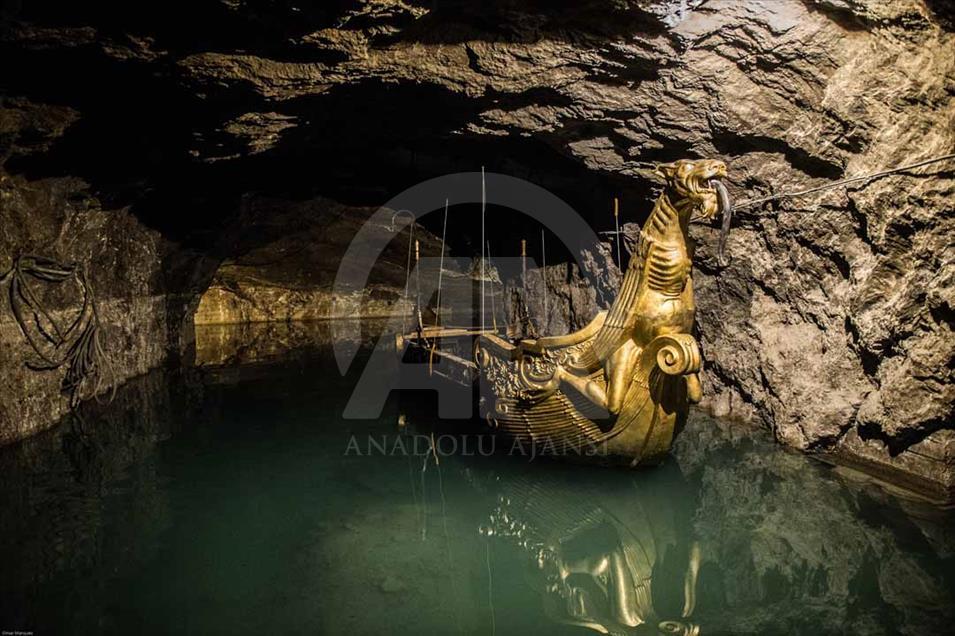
(695, 188)
(694, 183)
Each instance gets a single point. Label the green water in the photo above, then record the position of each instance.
(225, 500)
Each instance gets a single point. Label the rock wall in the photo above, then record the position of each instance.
(124, 262)
(836, 312)
(132, 271)
(287, 272)
(51, 535)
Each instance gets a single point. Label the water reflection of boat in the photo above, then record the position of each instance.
(614, 560)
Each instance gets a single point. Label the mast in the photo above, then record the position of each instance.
(417, 275)
(444, 232)
(493, 308)
(483, 206)
(544, 280)
(524, 265)
(616, 221)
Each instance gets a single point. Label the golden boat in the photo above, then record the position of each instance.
(618, 389)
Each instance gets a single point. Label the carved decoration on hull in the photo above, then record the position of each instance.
(617, 389)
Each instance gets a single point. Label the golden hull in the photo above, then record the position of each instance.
(525, 400)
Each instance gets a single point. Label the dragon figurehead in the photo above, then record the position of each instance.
(695, 188)
(694, 185)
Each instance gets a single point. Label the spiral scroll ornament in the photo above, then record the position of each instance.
(677, 354)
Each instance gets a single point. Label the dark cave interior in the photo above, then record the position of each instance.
(160, 147)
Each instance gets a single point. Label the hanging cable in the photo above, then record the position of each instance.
(490, 585)
(836, 184)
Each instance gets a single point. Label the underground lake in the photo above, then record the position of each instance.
(229, 496)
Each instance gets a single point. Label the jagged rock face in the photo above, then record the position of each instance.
(132, 274)
(833, 319)
(285, 267)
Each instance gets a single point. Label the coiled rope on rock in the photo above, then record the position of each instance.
(77, 347)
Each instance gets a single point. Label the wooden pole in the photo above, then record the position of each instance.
(483, 206)
(616, 220)
(444, 232)
(417, 277)
(493, 307)
(544, 280)
(524, 263)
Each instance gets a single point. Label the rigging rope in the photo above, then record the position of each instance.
(437, 311)
(78, 346)
(417, 278)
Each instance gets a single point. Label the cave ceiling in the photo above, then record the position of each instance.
(179, 108)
